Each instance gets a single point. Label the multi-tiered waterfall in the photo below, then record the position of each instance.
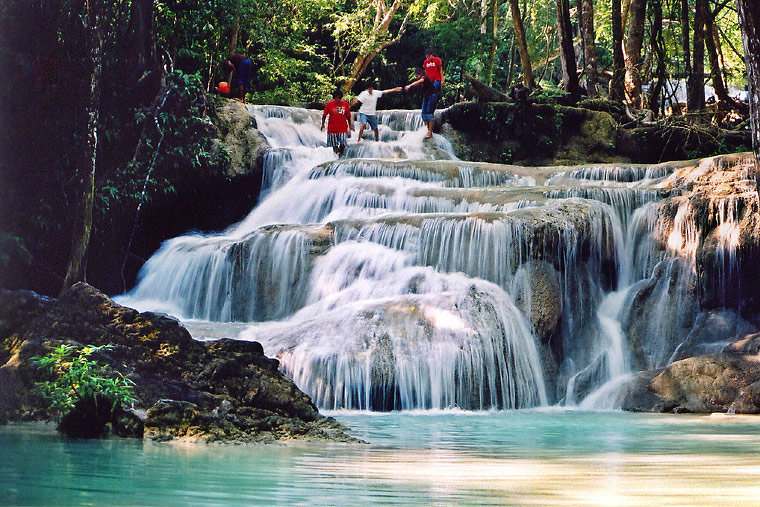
(400, 277)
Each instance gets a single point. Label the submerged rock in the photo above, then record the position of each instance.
(225, 390)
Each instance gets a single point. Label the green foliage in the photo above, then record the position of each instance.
(178, 140)
(74, 378)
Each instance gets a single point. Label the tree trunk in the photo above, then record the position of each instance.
(685, 39)
(633, 45)
(494, 41)
(695, 86)
(141, 29)
(383, 17)
(712, 42)
(658, 48)
(511, 66)
(567, 52)
(144, 63)
(85, 178)
(749, 19)
(618, 62)
(484, 92)
(234, 37)
(589, 47)
(235, 28)
(483, 16)
(522, 44)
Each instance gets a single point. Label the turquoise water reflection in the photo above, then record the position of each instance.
(455, 458)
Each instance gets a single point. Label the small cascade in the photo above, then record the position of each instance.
(625, 174)
(728, 211)
(260, 277)
(400, 277)
(448, 174)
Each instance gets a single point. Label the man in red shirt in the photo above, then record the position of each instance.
(339, 123)
(434, 69)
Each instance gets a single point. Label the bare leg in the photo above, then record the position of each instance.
(377, 134)
(361, 131)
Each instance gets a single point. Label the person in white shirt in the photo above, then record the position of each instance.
(368, 109)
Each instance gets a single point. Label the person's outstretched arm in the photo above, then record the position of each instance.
(391, 90)
(419, 81)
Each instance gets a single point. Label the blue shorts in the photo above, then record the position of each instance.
(368, 118)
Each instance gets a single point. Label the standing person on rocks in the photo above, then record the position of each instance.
(339, 123)
(430, 96)
(434, 69)
(368, 109)
(243, 68)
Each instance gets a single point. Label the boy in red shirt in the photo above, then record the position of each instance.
(434, 69)
(339, 123)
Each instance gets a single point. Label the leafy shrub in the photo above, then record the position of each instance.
(81, 392)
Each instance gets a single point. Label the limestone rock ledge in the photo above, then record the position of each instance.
(219, 391)
(725, 382)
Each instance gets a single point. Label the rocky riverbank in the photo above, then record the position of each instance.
(220, 391)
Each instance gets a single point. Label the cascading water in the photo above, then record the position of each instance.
(398, 277)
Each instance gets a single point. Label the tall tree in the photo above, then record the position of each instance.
(85, 177)
(695, 85)
(633, 45)
(712, 42)
(567, 51)
(494, 40)
(522, 44)
(588, 34)
(234, 35)
(658, 48)
(749, 19)
(618, 61)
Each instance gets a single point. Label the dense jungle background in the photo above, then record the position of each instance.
(109, 128)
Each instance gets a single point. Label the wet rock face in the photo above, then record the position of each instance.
(660, 313)
(239, 137)
(539, 297)
(207, 391)
(533, 134)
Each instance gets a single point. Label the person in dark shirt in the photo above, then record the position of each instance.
(430, 95)
(242, 67)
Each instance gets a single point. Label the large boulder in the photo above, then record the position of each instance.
(239, 136)
(223, 390)
(699, 385)
(728, 381)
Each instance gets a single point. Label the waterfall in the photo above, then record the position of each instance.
(260, 277)
(399, 277)
(409, 337)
